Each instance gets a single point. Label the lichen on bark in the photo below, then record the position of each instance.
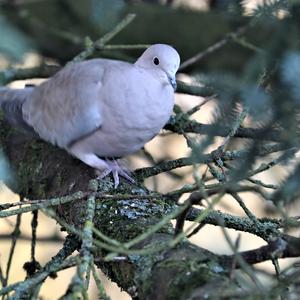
(162, 272)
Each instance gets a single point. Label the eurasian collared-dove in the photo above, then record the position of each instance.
(99, 108)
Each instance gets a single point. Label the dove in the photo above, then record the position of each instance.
(99, 109)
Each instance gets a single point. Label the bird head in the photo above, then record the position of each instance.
(162, 59)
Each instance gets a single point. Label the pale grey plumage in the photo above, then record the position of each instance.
(100, 108)
(11, 102)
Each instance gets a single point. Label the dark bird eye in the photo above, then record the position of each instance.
(156, 61)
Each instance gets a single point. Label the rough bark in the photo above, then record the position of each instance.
(181, 272)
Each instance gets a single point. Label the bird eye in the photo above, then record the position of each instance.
(156, 61)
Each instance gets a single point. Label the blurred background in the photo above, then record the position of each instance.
(34, 32)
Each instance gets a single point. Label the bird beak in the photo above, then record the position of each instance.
(172, 81)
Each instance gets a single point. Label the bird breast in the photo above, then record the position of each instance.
(134, 114)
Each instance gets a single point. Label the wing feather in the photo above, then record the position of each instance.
(68, 105)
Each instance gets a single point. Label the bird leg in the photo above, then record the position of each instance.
(104, 166)
(116, 170)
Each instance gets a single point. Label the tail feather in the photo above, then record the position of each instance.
(11, 102)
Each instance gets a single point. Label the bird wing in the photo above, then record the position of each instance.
(11, 102)
(67, 107)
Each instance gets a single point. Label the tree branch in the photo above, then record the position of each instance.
(281, 247)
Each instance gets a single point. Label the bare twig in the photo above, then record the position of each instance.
(281, 247)
(14, 236)
(92, 46)
(266, 227)
(57, 263)
(195, 198)
(204, 159)
(100, 287)
(78, 283)
(241, 262)
(213, 48)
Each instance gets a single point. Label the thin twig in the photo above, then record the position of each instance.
(213, 48)
(36, 204)
(100, 287)
(195, 198)
(242, 263)
(34, 225)
(86, 257)
(285, 246)
(198, 219)
(205, 159)
(241, 203)
(236, 125)
(57, 263)
(46, 239)
(15, 234)
(42, 204)
(98, 44)
(266, 227)
(198, 107)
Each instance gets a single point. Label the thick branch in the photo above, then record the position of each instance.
(156, 269)
(45, 171)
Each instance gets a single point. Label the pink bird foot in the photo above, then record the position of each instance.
(117, 171)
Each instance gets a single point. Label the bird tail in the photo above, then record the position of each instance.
(11, 102)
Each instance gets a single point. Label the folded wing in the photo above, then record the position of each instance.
(68, 106)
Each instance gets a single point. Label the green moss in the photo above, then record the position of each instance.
(5, 131)
(31, 179)
(26, 172)
(191, 274)
(125, 219)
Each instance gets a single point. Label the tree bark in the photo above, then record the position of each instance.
(181, 272)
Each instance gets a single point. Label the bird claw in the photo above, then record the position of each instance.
(117, 171)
